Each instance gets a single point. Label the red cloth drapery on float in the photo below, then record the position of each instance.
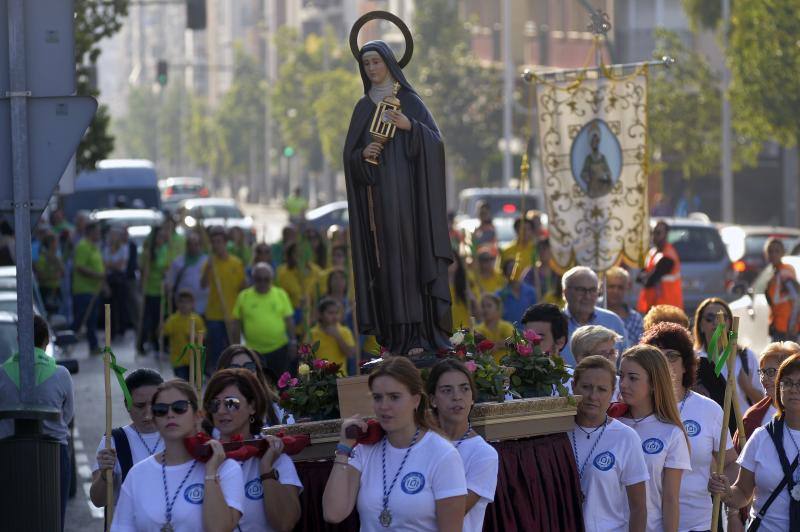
(538, 489)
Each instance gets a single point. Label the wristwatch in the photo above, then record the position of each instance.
(271, 475)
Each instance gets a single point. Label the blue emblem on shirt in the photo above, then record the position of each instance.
(604, 461)
(692, 427)
(254, 490)
(652, 446)
(194, 493)
(412, 483)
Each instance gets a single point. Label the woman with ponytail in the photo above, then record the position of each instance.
(412, 478)
(646, 388)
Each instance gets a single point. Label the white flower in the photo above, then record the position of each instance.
(457, 338)
(796, 492)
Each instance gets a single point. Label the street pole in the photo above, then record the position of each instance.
(269, 55)
(508, 92)
(21, 176)
(727, 170)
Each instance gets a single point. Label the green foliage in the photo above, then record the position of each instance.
(535, 374)
(138, 129)
(764, 58)
(703, 13)
(682, 98)
(95, 20)
(461, 92)
(314, 393)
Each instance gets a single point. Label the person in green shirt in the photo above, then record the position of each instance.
(49, 271)
(238, 247)
(263, 313)
(88, 277)
(296, 206)
(155, 261)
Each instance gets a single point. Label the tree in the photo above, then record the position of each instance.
(138, 130)
(764, 57)
(95, 20)
(703, 13)
(460, 92)
(684, 112)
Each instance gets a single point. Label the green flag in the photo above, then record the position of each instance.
(713, 345)
(723, 358)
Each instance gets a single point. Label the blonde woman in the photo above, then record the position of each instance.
(646, 388)
(594, 340)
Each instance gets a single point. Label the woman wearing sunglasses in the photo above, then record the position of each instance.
(747, 381)
(452, 390)
(412, 478)
(238, 356)
(235, 402)
(646, 388)
(171, 491)
(702, 419)
(768, 458)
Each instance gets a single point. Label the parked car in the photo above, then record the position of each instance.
(706, 269)
(745, 244)
(132, 180)
(327, 215)
(176, 189)
(216, 211)
(504, 202)
(138, 222)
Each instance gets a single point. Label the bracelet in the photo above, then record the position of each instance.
(343, 450)
(215, 478)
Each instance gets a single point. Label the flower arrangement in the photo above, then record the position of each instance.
(313, 394)
(491, 379)
(535, 373)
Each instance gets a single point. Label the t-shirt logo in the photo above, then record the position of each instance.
(652, 446)
(692, 427)
(604, 461)
(194, 493)
(413, 483)
(254, 490)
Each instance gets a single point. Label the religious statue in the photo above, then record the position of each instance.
(596, 172)
(398, 213)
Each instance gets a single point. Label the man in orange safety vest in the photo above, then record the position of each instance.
(662, 274)
(782, 293)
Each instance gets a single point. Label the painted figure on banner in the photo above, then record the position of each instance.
(596, 172)
(397, 207)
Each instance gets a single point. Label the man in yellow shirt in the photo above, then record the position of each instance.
(178, 329)
(263, 313)
(488, 278)
(524, 246)
(222, 273)
(336, 343)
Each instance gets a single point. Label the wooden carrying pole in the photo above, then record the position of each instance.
(109, 473)
(160, 327)
(192, 359)
(199, 369)
(730, 390)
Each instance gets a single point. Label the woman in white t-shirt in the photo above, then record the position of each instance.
(702, 420)
(172, 492)
(235, 402)
(451, 390)
(765, 459)
(646, 388)
(413, 478)
(608, 454)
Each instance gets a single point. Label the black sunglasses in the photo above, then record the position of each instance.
(231, 404)
(250, 366)
(179, 407)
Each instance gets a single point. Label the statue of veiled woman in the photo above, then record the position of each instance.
(398, 220)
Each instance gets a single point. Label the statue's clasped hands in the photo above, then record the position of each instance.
(400, 120)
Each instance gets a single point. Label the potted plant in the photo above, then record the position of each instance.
(535, 373)
(312, 395)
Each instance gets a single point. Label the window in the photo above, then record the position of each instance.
(697, 244)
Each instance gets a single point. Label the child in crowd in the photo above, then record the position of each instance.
(336, 342)
(178, 328)
(494, 328)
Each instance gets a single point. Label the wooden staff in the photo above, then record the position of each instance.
(730, 390)
(109, 473)
(735, 408)
(199, 370)
(160, 327)
(145, 273)
(192, 359)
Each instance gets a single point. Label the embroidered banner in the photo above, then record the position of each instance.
(593, 137)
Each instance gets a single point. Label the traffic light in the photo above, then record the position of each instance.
(196, 14)
(288, 152)
(161, 72)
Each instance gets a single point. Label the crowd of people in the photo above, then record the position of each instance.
(647, 429)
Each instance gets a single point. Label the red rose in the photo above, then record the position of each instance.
(285, 396)
(485, 345)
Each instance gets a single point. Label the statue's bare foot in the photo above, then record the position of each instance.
(415, 351)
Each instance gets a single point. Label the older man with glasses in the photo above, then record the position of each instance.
(263, 313)
(581, 288)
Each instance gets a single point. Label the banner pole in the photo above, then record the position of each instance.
(109, 473)
(192, 359)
